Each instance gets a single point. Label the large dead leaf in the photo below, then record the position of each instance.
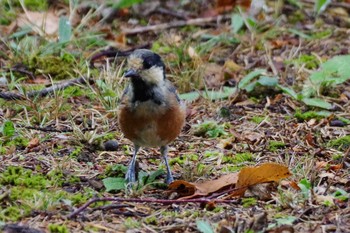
(267, 172)
(191, 190)
(45, 21)
(242, 180)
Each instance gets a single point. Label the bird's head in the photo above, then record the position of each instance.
(147, 66)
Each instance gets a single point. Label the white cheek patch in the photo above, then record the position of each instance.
(154, 75)
(135, 63)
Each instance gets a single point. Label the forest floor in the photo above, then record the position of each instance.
(267, 83)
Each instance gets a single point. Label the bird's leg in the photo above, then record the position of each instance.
(130, 176)
(169, 176)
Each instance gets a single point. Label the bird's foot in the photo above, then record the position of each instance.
(130, 176)
(169, 178)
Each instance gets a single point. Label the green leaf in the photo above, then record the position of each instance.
(190, 96)
(288, 220)
(305, 187)
(24, 31)
(249, 77)
(299, 33)
(288, 91)
(8, 129)
(336, 70)
(221, 94)
(153, 176)
(237, 22)
(64, 29)
(126, 3)
(268, 81)
(204, 226)
(333, 72)
(112, 183)
(321, 5)
(211, 94)
(316, 102)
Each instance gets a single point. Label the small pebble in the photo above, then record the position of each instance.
(111, 145)
(337, 123)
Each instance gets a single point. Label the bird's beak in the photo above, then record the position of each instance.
(131, 74)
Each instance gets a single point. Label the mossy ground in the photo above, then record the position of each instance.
(45, 175)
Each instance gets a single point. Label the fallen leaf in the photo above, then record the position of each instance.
(245, 178)
(33, 143)
(321, 164)
(336, 167)
(310, 140)
(213, 75)
(294, 185)
(253, 136)
(261, 174)
(189, 190)
(47, 21)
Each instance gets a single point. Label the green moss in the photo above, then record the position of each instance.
(257, 119)
(76, 152)
(23, 177)
(179, 160)
(55, 66)
(34, 5)
(29, 191)
(209, 154)
(131, 223)
(296, 16)
(152, 220)
(311, 115)
(238, 158)
(275, 145)
(55, 228)
(11, 213)
(17, 141)
(209, 129)
(7, 14)
(248, 202)
(337, 157)
(341, 143)
(309, 61)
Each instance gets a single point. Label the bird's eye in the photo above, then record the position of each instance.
(147, 64)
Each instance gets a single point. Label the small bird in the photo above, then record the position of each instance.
(150, 112)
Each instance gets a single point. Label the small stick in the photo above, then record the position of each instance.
(163, 26)
(136, 200)
(49, 129)
(45, 91)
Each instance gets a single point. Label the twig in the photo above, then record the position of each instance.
(165, 11)
(49, 129)
(136, 200)
(45, 91)
(23, 71)
(335, 4)
(113, 52)
(163, 26)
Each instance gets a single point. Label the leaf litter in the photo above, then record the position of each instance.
(316, 198)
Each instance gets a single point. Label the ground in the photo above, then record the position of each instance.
(266, 82)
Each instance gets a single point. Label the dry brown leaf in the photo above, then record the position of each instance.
(294, 185)
(253, 136)
(246, 177)
(189, 190)
(321, 164)
(336, 167)
(310, 140)
(213, 75)
(264, 173)
(33, 143)
(46, 21)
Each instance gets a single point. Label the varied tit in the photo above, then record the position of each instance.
(150, 113)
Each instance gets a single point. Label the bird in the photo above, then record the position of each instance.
(150, 112)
